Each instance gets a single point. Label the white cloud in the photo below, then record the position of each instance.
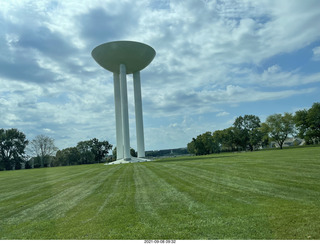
(277, 78)
(47, 130)
(316, 53)
(273, 69)
(221, 114)
(209, 55)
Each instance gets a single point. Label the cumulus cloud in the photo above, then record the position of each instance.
(273, 69)
(210, 54)
(221, 114)
(316, 53)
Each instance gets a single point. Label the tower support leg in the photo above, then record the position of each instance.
(117, 104)
(138, 113)
(124, 113)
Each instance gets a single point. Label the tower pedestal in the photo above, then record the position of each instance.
(131, 160)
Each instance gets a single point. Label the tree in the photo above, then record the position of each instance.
(203, 144)
(86, 155)
(313, 119)
(133, 152)
(67, 156)
(265, 141)
(247, 132)
(93, 151)
(279, 127)
(199, 146)
(210, 145)
(12, 149)
(225, 138)
(308, 124)
(302, 125)
(43, 147)
(192, 146)
(99, 149)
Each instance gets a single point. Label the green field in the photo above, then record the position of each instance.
(259, 195)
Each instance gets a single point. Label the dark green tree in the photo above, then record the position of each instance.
(133, 152)
(99, 149)
(225, 138)
(279, 127)
(191, 147)
(308, 124)
(85, 153)
(12, 149)
(265, 135)
(210, 145)
(314, 122)
(92, 151)
(203, 144)
(67, 156)
(199, 147)
(247, 132)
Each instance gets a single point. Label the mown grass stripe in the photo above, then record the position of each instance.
(259, 195)
(167, 209)
(39, 182)
(287, 188)
(218, 208)
(56, 200)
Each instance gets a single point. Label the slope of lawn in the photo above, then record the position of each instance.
(259, 195)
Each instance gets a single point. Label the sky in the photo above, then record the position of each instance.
(215, 60)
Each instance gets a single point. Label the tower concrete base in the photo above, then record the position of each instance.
(130, 160)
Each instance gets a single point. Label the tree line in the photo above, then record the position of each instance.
(86, 152)
(43, 153)
(248, 133)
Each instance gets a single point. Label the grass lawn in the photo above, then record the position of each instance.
(260, 195)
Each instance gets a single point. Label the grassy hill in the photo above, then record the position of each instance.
(260, 195)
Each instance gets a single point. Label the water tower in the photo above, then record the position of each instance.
(122, 58)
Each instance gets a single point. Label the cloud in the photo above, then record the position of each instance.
(113, 22)
(221, 114)
(316, 53)
(45, 41)
(277, 78)
(207, 101)
(273, 69)
(210, 56)
(32, 52)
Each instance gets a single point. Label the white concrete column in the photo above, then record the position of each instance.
(124, 112)
(117, 105)
(138, 112)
